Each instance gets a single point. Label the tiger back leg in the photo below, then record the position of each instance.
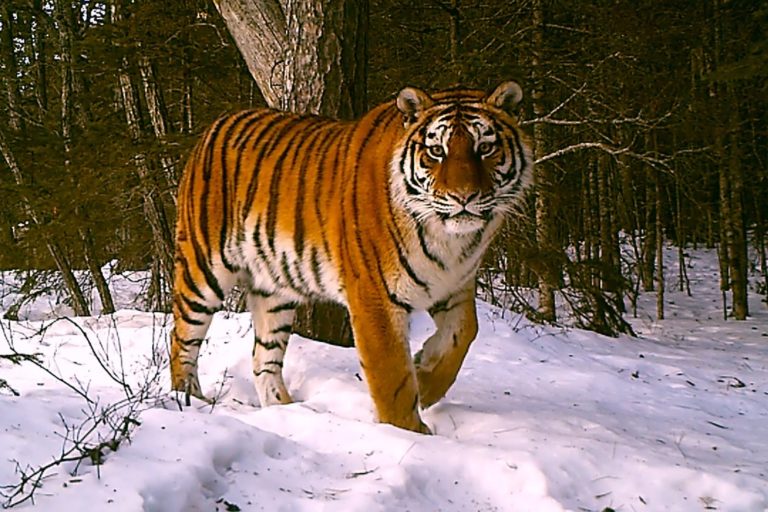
(441, 357)
(272, 316)
(197, 295)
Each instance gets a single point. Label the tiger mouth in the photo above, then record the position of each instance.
(465, 215)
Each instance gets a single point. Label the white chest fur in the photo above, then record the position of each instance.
(440, 263)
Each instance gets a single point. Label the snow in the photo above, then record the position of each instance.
(540, 418)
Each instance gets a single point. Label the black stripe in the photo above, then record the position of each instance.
(326, 149)
(250, 127)
(406, 265)
(291, 146)
(262, 254)
(283, 329)
(340, 169)
(193, 342)
(269, 345)
(195, 306)
(440, 306)
(188, 319)
(393, 298)
(286, 306)
(401, 386)
(225, 206)
(203, 264)
(305, 289)
(209, 146)
(373, 130)
(469, 250)
(187, 277)
(207, 165)
(268, 137)
(298, 223)
(316, 270)
(287, 272)
(425, 247)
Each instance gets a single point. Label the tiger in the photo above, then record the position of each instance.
(385, 215)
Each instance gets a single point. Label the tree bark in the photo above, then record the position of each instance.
(306, 57)
(545, 223)
(158, 116)
(41, 63)
(737, 239)
(648, 262)
(15, 120)
(153, 207)
(659, 250)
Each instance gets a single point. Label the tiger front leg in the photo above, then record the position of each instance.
(380, 331)
(439, 361)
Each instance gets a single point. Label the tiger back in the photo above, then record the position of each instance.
(385, 215)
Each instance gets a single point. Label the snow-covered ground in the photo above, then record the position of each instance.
(540, 419)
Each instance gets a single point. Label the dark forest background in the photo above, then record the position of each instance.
(649, 118)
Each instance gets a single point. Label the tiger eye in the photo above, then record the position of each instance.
(437, 152)
(484, 148)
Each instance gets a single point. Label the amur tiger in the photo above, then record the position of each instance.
(384, 215)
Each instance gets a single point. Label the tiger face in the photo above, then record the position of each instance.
(463, 161)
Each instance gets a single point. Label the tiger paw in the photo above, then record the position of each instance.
(431, 387)
(424, 429)
(190, 387)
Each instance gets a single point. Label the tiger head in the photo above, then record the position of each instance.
(463, 160)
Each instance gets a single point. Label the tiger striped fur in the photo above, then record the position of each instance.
(385, 215)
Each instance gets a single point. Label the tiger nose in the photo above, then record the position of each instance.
(463, 197)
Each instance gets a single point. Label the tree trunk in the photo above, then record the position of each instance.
(102, 287)
(8, 61)
(306, 57)
(158, 116)
(609, 247)
(659, 250)
(310, 57)
(648, 264)
(737, 240)
(153, 206)
(545, 222)
(41, 63)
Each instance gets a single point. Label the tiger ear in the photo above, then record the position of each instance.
(506, 96)
(412, 102)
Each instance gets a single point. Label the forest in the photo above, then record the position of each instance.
(649, 120)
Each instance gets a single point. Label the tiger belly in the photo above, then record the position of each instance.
(280, 269)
